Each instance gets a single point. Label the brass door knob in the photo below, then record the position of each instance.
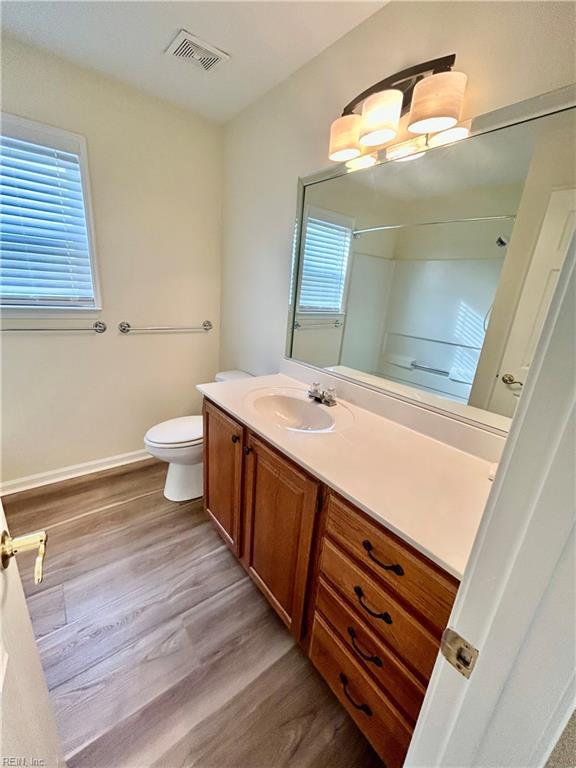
(508, 378)
(9, 547)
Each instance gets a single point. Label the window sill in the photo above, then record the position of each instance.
(56, 313)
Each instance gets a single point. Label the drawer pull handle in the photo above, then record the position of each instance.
(385, 616)
(235, 438)
(397, 568)
(376, 660)
(362, 707)
(247, 450)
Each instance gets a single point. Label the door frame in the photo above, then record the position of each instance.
(515, 560)
(561, 201)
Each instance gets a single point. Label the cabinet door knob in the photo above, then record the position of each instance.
(235, 438)
(247, 450)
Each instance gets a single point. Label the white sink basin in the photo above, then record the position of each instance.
(291, 409)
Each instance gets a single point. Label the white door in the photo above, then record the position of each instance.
(549, 254)
(28, 734)
(517, 601)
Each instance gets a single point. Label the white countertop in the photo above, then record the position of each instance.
(431, 494)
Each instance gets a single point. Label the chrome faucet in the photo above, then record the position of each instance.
(324, 396)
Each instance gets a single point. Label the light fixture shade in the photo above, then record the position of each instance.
(344, 134)
(407, 150)
(380, 117)
(367, 160)
(437, 102)
(457, 133)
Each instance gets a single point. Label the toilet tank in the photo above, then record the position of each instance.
(232, 375)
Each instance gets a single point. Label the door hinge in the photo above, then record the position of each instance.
(458, 652)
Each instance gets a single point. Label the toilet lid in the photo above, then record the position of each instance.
(182, 431)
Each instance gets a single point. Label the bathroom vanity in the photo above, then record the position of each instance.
(366, 587)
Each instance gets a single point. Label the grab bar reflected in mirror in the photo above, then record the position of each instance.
(429, 368)
(125, 327)
(299, 327)
(97, 327)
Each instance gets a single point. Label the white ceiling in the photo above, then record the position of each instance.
(268, 41)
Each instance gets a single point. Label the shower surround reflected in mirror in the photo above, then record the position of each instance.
(431, 278)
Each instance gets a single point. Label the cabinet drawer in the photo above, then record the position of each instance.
(399, 629)
(389, 673)
(424, 586)
(377, 718)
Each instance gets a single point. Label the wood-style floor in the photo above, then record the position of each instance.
(157, 648)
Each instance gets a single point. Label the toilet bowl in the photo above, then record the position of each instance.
(179, 442)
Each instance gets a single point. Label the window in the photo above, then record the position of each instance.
(327, 241)
(46, 243)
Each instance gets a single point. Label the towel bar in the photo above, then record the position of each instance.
(299, 327)
(97, 327)
(125, 327)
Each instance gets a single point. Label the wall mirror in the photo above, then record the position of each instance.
(431, 278)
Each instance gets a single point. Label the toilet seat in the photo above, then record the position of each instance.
(173, 446)
(183, 432)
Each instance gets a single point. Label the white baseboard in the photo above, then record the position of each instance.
(66, 473)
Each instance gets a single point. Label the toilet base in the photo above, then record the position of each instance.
(184, 482)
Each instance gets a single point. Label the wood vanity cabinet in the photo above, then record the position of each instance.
(264, 506)
(368, 608)
(223, 444)
(379, 610)
(280, 503)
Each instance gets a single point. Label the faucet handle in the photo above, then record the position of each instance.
(315, 390)
(329, 396)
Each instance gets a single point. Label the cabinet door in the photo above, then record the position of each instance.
(279, 510)
(223, 441)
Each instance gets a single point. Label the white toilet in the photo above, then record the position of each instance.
(180, 443)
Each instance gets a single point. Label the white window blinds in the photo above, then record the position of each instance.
(45, 249)
(325, 263)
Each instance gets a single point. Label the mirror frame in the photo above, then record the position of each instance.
(546, 104)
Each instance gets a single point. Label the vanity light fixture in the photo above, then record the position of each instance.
(381, 117)
(344, 138)
(367, 160)
(407, 150)
(437, 102)
(457, 133)
(372, 118)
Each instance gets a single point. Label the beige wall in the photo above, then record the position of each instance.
(156, 191)
(510, 51)
(474, 240)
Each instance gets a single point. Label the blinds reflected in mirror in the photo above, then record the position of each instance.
(327, 240)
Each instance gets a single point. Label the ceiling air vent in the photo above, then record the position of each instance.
(188, 47)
